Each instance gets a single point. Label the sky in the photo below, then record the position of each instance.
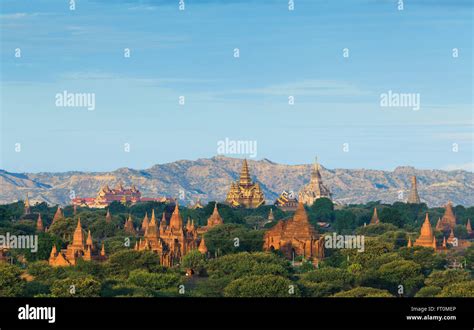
(334, 59)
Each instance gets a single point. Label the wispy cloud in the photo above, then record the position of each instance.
(308, 88)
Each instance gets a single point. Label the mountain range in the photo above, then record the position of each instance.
(210, 178)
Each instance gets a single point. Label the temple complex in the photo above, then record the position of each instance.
(172, 242)
(448, 221)
(77, 249)
(426, 238)
(286, 202)
(244, 192)
(413, 197)
(375, 218)
(296, 237)
(106, 196)
(314, 189)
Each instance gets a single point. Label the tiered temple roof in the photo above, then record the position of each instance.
(296, 237)
(244, 192)
(426, 238)
(315, 189)
(448, 221)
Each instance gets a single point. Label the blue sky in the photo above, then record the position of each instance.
(190, 53)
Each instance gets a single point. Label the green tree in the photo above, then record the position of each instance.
(261, 286)
(154, 281)
(11, 284)
(391, 215)
(361, 292)
(125, 261)
(83, 286)
(194, 260)
(233, 238)
(322, 210)
(402, 272)
(428, 291)
(461, 289)
(447, 277)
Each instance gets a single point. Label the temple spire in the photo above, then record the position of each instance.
(27, 205)
(202, 246)
(39, 224)
(468, 227)
(315, 174)
(58, 215)
(176, 221)
(89, 239)
(102, 250)
(270, 215)
(245, 179)
(78, 237)
(145, 222)
(375, 218)
(108, 217)
(413, 198)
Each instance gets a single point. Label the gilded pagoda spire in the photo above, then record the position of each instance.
(27, 205)
(245, 179)
(315, 188)
(410, 244)
(244, 192)
(375, 218)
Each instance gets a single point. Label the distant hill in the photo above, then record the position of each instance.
(209, 179)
